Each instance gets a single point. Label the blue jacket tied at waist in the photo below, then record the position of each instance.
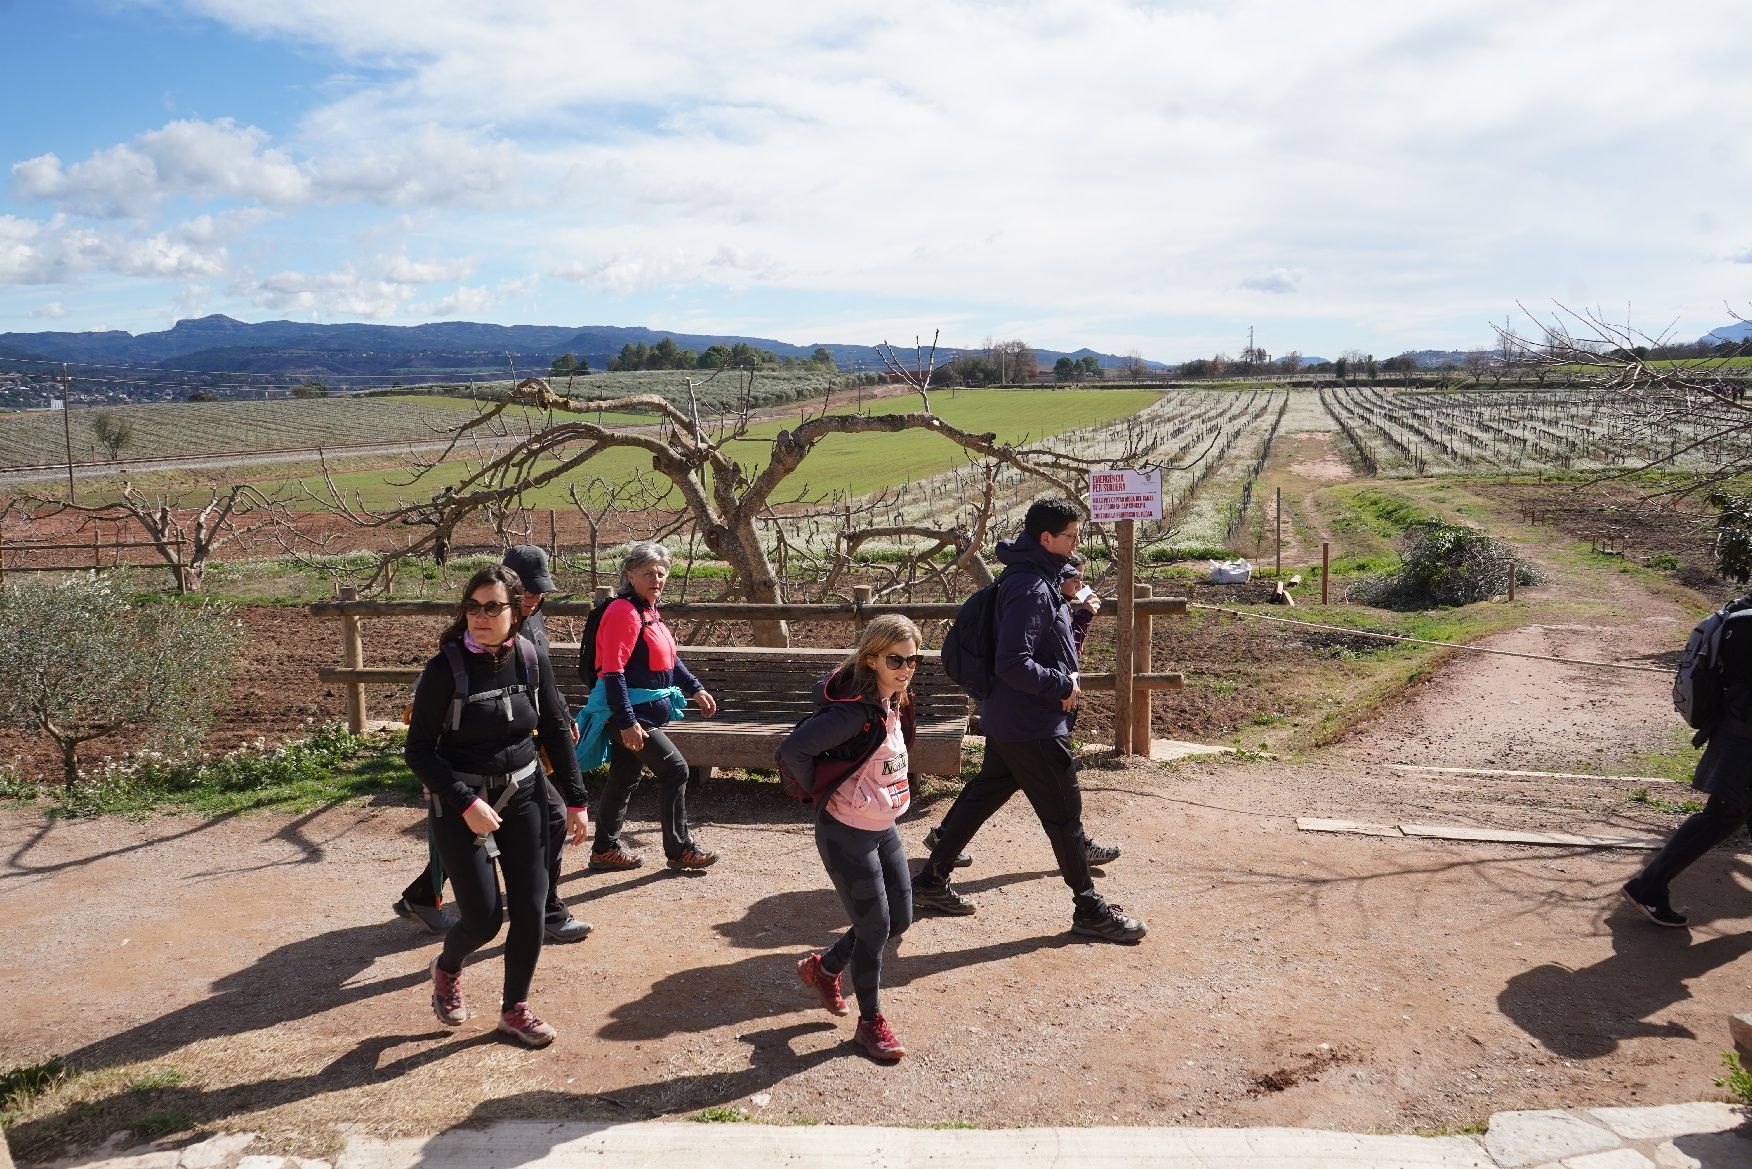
(593, 724)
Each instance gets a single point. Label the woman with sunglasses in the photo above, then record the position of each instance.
(863, 722)
(474, 748)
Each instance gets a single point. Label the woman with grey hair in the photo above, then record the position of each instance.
(643, 683)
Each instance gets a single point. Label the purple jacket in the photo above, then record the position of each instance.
(1036, 650)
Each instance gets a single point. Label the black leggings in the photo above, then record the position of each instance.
(1718, 821)
(523, 861)
(624, 767)
(426, 888)
(868, 870)
(1045, 771)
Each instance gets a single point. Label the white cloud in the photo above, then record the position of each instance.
(57, 252)
(339, 293)
(402, 270)
(53, 311)
(464, 302)
(206, 159)
(1278, 280)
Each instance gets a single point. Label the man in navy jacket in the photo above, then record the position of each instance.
(1027, 722)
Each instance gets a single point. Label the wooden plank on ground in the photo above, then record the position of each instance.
(1311, 824)
(1510, 836)
(1495, 771)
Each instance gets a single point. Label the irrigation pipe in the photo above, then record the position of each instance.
(1478, 649)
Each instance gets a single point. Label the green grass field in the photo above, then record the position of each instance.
(859, 464)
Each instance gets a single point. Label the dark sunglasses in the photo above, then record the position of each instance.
(489, 608)
(896, 662)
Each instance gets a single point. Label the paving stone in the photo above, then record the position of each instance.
(307, 1163)
(1519, 1140)
(261, 1161)
(1670, 1120)
(137, 1159)
(1616, 1159)
(533, 1145)
(1716, 1150)
(215, 1152)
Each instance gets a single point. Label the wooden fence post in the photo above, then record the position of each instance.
(862, 595)
(1123, 668)
(603, 592)
(353, 657)
(1140, 711)
(1514, 568)
(1325, 570)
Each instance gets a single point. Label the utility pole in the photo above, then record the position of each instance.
(67, 428)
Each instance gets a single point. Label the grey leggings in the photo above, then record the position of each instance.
(869, 872)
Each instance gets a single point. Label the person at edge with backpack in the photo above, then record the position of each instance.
(851, 756)
(1085, 605)
(638, 683)
(421, 901)
(476, 754)
(1723, 715)
(1027, 722)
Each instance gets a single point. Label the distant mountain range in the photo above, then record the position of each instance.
(1738, 331)
(216, 345)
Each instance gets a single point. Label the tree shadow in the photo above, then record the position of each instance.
(300, 979)
(194, 1108)
(709, 997)
(19, 866)
(771, 1059)
(1588, 1013)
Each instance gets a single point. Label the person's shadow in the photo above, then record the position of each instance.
(1587, 1013)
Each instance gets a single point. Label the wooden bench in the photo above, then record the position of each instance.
(762, 693)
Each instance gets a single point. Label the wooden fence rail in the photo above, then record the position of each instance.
(1130, 735)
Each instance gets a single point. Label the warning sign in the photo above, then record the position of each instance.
(1118, 494)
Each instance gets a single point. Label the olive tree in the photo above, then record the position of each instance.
(86, 663)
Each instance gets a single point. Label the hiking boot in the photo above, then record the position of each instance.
(613, 859)
(1100, 854)
(1657, 909)
(1095, 918)
(694, 857)
(429, 917)
(569, 930)
(962, 860)
(940, 898)
(825, 985)
(875, 1037)
(520, 1023)
(447, 995)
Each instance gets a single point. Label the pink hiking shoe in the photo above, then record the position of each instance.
(825, 985)
(520, 1022)
(878, 1040)
(447, 995)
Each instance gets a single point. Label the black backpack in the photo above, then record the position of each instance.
(970, 648)
(836, 763)
(593, 624)
(529, 665)
(1700, 684)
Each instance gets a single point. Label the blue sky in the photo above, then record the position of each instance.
(1127, 176)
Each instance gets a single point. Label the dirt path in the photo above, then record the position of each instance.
(1289, 978)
